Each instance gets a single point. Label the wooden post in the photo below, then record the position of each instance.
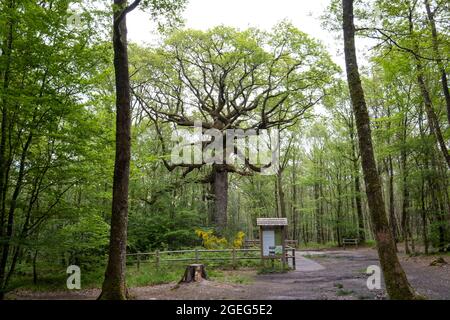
(234, 257)
(293, 259)
(157, 258)
(283, 243)
(261, 242)
(138, 262)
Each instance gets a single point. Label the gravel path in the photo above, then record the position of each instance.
(343, 277)
(304, 264)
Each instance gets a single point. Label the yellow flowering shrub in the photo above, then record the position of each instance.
(210, 241)
(239, 240)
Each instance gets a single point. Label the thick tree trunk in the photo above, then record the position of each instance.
(219, 189)
(397, 284)
(276, 199)
(114, 285)
(280, 195)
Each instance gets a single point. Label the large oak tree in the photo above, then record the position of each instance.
(231, 79)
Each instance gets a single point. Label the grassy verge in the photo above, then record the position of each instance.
(317, 246)
(333, 245)
(51, 278)
(148, 274)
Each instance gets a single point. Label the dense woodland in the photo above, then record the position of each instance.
(58, 86)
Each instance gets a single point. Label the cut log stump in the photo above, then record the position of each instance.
(194, 273)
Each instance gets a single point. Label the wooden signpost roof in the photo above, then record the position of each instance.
(272, 221)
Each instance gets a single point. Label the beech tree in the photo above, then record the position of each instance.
(397, 284)
(114, 285)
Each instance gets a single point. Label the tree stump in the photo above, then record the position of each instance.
(194, 273)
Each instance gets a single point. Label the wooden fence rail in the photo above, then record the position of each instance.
(256, 242)
(197, 256)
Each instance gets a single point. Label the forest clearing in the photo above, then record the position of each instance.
(341, 277)
(189, 150)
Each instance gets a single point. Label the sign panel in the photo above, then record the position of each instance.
(279, 250)
(268, 241)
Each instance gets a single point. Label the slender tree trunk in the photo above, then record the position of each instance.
(397, 284)
(5, 122)
(12, 268)
(11, 215)
(35, 274)
(424, 216)
(436, 187)
(338, 210)
(432, 118)
(431, 115)
(294, 200)
(405, 222)
(322, 205)
(114, 285)
(318, 218)
(405, 203)
(434, 35)
(358, 202)
(392, 218)
(440, 221)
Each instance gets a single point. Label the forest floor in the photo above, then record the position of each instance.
(320, 275)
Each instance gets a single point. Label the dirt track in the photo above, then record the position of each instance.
(331, 275)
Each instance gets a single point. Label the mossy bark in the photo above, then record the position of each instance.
(219, 188)
(397, 284)
(114, 286)
(114, 290)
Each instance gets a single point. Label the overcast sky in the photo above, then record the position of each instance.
(264, 14)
